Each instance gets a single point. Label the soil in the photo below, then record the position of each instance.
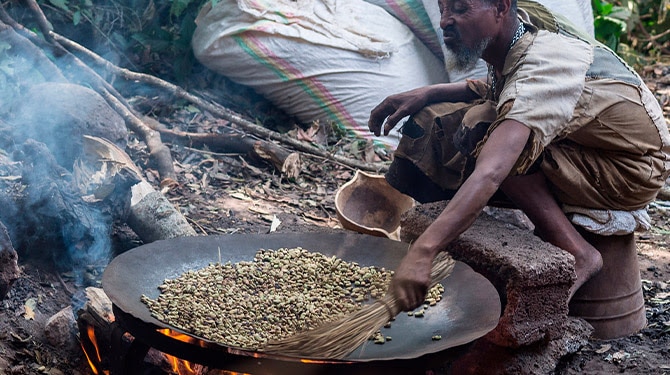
(223, 194)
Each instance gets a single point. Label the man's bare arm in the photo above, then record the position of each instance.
(494, 164)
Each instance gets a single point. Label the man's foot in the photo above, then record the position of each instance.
(586, 266)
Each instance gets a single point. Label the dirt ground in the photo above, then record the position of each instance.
(223, 194)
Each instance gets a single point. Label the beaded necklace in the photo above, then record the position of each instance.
(520, 30)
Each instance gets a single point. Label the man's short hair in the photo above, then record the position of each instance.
(513, 4)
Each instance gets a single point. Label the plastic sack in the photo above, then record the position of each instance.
(318, 60)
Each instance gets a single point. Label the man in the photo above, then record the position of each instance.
(560, 124)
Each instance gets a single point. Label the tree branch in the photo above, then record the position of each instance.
(217, 109)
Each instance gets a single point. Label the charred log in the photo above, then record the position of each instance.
(54, 216)
(153, 217)
(103, 169)
(9, 268)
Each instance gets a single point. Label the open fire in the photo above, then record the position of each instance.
(180, 366)
(98, 354)
(414, 354)
(128, 345)
(93, 356)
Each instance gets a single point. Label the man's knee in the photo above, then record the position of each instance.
(407, 178)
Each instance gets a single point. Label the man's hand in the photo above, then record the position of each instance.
(411, 281)
(394, 108)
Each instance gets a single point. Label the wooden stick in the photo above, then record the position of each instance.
(288, 163)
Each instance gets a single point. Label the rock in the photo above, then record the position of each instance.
(60, 329)
(485, 357)
(532, 277)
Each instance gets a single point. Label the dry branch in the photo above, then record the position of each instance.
(217, 109)
(42, 22)
(287, 162)
(159, 152)
(21, 46)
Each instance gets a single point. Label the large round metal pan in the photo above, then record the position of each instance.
(470, 307)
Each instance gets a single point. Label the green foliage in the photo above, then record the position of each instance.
(610, 22)
(637, 30)
(79, 9)
(152, 36)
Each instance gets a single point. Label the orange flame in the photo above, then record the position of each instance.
(187, 367)
(182, 337)
(179, 366)
(90, 332)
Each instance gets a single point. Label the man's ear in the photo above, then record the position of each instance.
(504, 7)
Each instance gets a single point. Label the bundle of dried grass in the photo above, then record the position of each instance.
(334, 340)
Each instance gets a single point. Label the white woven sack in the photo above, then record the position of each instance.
(414, 14)
(325, 60)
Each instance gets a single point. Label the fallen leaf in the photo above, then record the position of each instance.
(29, 307)
(604, 348)
(240, 196)
(620, 356)
(275, 223)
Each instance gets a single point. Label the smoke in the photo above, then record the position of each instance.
(52, 221)
(41, 128)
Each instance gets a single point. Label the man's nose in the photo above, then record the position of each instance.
(446, 20)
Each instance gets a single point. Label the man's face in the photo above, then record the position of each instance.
(463, 24)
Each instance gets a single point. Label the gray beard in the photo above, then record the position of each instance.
(466, 58)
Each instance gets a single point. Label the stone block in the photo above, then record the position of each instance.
(485, 357)
(532, 277)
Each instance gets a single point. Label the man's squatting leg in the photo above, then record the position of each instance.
(531, 194)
